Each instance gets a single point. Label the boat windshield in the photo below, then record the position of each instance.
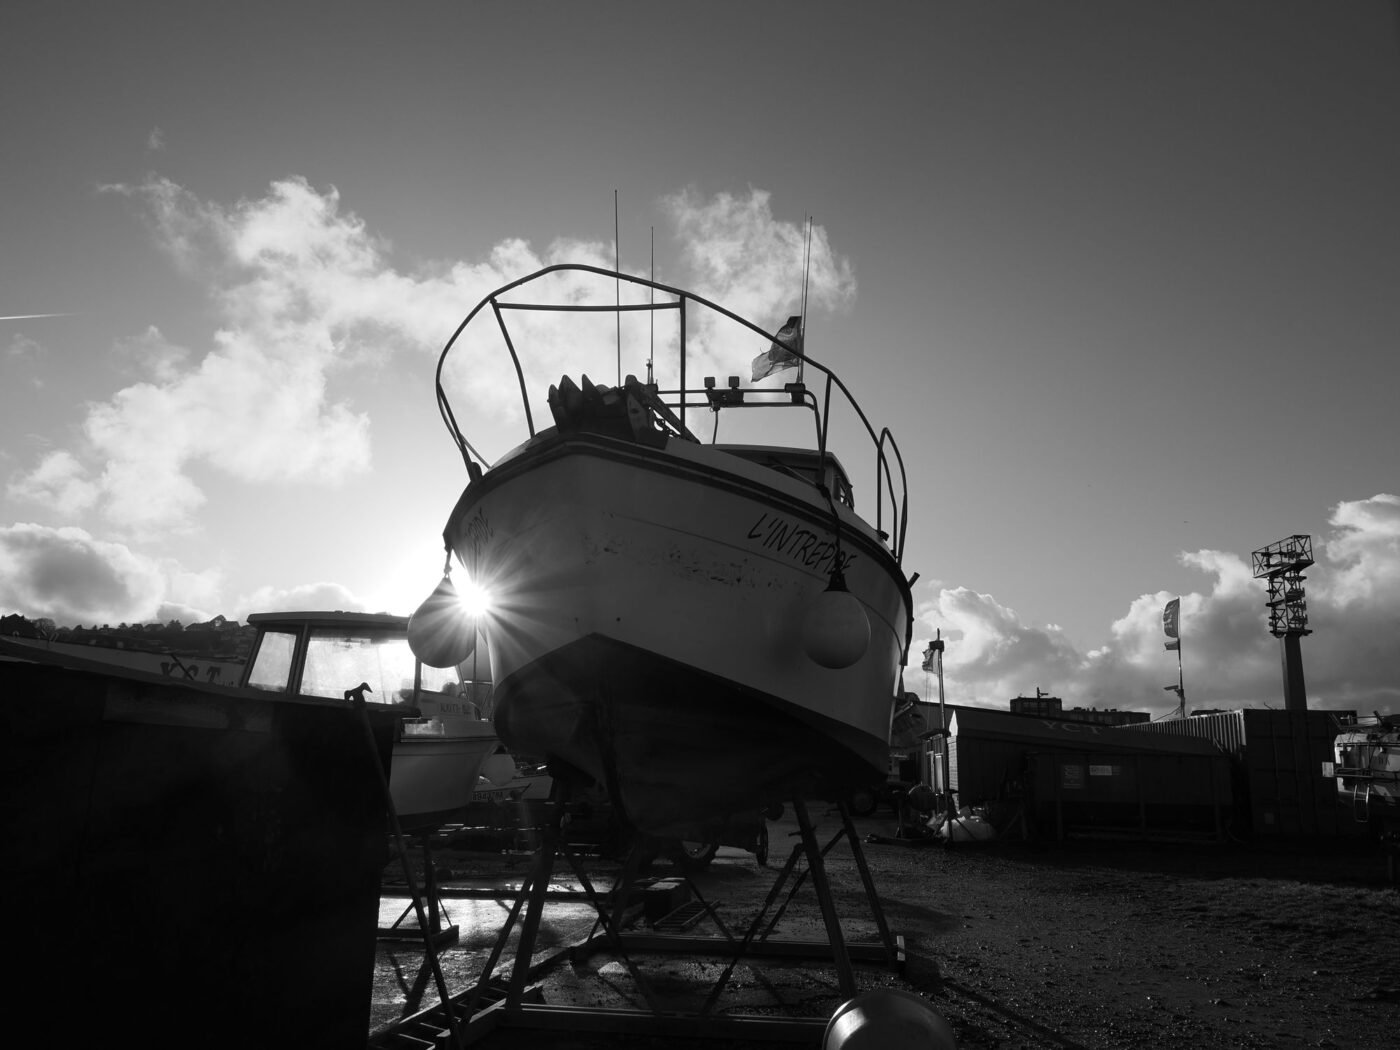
(337, 660)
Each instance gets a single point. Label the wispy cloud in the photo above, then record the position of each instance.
(1351, 661)
(23, 348)
(155, 141)
(26, 353)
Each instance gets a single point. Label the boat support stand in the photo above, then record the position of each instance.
(493, 1003)
(441, 936)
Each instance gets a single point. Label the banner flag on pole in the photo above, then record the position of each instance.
(1170, 624)
(778, 357)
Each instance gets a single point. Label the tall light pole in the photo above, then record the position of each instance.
(1282, 565)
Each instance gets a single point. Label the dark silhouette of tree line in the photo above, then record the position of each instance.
(218, 638)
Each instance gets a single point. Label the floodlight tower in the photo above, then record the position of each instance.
(1282, 565)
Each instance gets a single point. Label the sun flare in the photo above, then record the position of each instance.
(474, 598)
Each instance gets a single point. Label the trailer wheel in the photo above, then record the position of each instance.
(863, 802)
(694, 856)
(760, 851)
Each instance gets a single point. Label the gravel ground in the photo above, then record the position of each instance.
(1092, 945)
(1102, 946)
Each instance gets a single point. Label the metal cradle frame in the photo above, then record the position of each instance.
(494, 1002)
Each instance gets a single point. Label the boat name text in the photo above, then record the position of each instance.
(798, 543)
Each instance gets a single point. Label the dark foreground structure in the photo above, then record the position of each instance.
(189, 865)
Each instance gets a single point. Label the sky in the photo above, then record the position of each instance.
(1120, 277)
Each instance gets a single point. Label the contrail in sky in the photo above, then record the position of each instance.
(30, 317)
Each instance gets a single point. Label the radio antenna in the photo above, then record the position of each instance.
(617, 286)
(651, 314)
(802, 325)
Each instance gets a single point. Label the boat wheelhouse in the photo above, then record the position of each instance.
(446, 734)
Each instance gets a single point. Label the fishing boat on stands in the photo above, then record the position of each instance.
(442, 747)
(702, 629)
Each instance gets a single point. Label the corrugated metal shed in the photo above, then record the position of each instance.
(1278, 756)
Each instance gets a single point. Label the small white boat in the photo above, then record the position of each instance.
(702, 629)
(442, 747)
(1367, 768)
(506, 778)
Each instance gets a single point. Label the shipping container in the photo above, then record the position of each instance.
(988, 750)
(1278, 758)
(1140, 794)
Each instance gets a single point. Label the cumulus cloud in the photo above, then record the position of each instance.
(70, 577)
(1352, 661)
(751, 262)
(59, 481)
(991, 655)
(257, 404)
(150, 354)
(306, 596)
(305, 292)
(1364, 552)
(1353, 599)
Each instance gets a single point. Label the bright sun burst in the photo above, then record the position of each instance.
(474, 598)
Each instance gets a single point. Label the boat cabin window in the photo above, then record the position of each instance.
(841, 489)
(272, 664)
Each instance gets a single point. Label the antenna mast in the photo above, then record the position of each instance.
(651, 314)
(802, 326)
(617, 286)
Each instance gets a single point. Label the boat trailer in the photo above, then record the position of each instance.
(515, 1001)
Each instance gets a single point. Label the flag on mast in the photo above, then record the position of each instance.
(1171, 616)
(778, 356)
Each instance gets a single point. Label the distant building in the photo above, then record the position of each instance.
(1043, 705)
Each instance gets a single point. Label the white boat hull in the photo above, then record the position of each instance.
(647, 624)
(432, 779)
